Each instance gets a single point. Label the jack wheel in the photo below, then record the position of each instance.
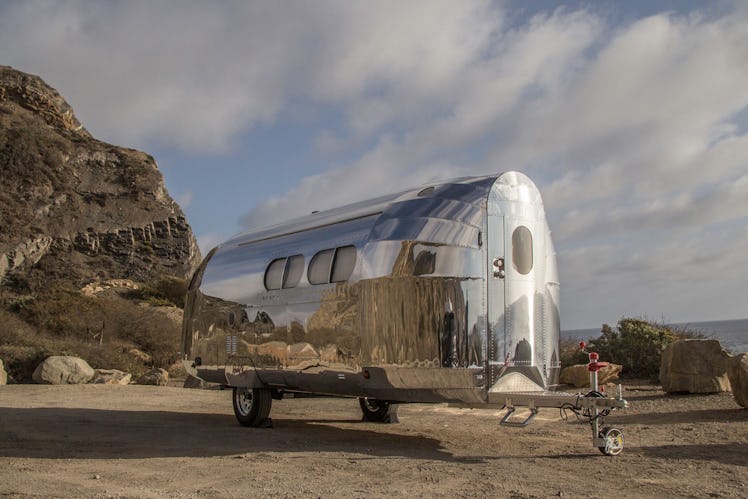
(613, 438)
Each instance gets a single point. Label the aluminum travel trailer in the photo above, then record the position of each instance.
(445, 293)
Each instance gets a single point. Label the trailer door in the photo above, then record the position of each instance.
(511, 294)
(522, 332)
(496, 266)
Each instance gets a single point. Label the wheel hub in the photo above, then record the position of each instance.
(244, 401)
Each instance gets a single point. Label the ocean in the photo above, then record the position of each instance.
(732, 334)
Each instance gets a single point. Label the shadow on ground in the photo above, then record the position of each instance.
(726, 453)
(75, 433)
(675, 417)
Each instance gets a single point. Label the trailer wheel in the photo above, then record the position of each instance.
(378, 411)
(252, 405)
(613, 441)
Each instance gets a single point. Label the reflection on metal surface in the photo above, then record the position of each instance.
(418, 314)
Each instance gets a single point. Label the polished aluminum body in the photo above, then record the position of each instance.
(446, 293)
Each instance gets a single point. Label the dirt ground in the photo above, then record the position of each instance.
(141, 441)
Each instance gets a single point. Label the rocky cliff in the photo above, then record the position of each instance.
(73, 208)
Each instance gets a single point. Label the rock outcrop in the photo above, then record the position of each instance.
(194, 382)
(110, 377)
(694, 366)
(73, 208)
(157, 377)
(579, 376)
(737, 371)
(63, 370)
(97, 287)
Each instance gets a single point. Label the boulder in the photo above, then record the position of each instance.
(3, 374)
(177, 370)
(694, 366)
(194, 382)
(737, 371)
(110, 377)
(158, 377)
(63, 370)
(579, 376)
(139, 355)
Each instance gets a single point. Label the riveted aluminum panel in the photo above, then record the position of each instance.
(413, 313)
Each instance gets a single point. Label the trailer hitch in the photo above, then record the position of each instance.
(590, 408)
(607, 439)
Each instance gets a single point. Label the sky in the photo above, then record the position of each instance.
(630, 116)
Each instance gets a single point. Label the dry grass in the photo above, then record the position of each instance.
(102, 330)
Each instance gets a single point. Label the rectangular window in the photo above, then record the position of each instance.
(294, 270)
(319, 267)
(345, 261)
(274, 274)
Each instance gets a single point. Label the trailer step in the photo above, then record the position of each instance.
(506, 421)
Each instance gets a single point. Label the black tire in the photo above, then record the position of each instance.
(378, 411)
(252, 405)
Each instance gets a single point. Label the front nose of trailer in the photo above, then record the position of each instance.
(524, 296)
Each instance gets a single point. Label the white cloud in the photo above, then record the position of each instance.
(632, 131)
(629, 129)
(208, 241)
(184, 200)
(195, 74)
(471, 99)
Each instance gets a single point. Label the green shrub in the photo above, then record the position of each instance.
(570, 354)
(62, 312)
(20, 361)
(683, 333)
(151, 331)
(165, 291)
(13, 330)
(637, 345)
(19, 302)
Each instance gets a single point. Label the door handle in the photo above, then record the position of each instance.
(498, 268)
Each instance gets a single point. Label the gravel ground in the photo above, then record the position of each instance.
(142, 441)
